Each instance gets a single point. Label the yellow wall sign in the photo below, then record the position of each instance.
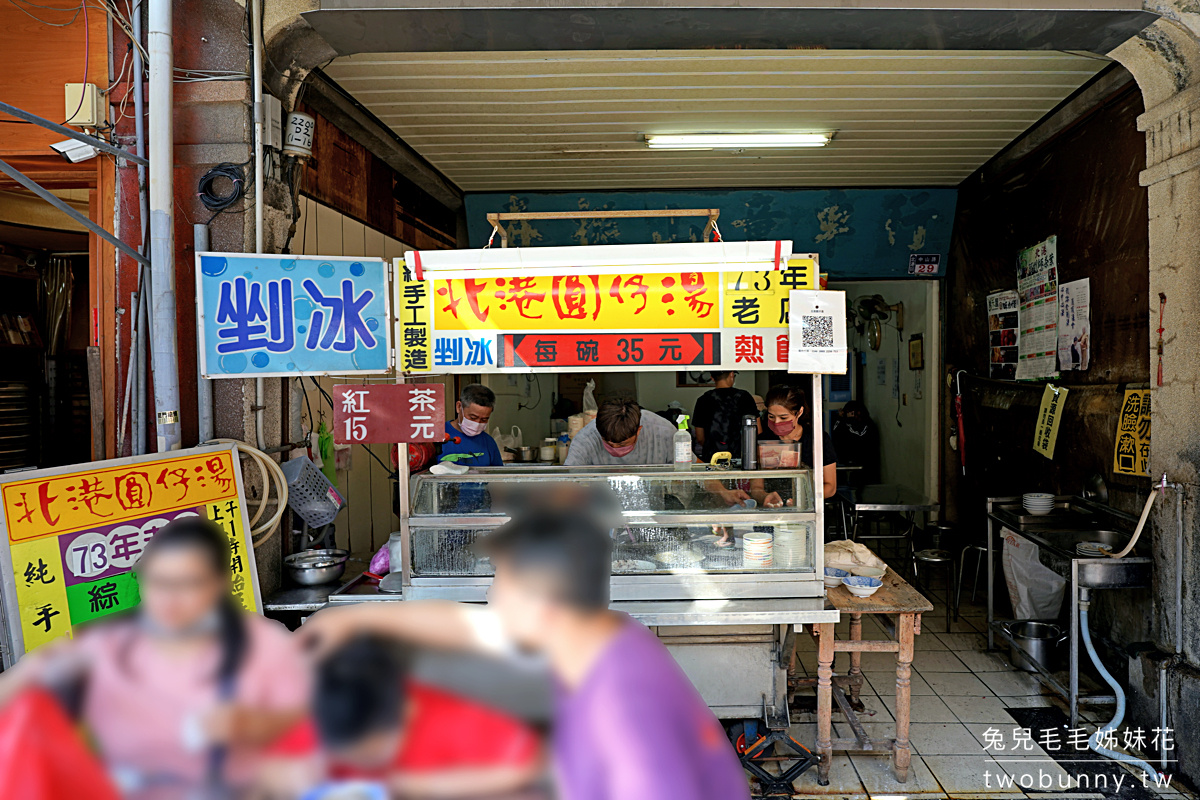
(75, 533)
(1045, 435)
(1131, 451)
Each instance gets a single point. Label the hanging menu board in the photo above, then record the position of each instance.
(75, 533)
(606, 318)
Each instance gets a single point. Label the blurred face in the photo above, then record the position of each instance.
(179, 588)
(523, 605)
(474, 413)
(374, 752)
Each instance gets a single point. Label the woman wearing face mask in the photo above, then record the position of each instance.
(787, 421)
(181, 696)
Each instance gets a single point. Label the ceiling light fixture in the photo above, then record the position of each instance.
(735, 141)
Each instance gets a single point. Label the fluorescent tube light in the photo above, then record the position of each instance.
(735, 141)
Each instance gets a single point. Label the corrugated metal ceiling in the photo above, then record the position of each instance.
(574, 121)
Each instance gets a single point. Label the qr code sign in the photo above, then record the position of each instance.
(816, 331)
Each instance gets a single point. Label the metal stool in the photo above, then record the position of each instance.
(980, 554)
(940, 558)
(941, 534)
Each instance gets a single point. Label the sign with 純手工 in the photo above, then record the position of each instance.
(282, 315)
(1131, 451)
(74, 533)
(609, 308)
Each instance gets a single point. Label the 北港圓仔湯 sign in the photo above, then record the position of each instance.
(641, 307)
(74, 533)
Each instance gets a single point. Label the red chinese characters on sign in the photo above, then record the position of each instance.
(389, 413)
(748, 349)
(74, 501)
(551, 350)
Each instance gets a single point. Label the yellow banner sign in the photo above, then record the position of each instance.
(76, 533)
(1131, 451)
(1045, 435)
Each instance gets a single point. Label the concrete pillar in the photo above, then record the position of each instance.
(1165, 61)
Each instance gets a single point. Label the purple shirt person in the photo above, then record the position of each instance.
(628, 724)
(637, 728)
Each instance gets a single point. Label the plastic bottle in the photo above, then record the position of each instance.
(683, 446)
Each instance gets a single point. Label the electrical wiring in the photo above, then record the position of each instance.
(87, 55)
(216, 203)
(33, 16)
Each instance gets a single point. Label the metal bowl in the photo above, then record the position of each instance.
(316, 567)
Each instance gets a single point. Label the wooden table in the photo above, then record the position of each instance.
(895, 597)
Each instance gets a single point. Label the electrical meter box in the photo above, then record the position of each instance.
(83, 105)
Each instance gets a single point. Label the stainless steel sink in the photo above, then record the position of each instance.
(1056, 549)
(1066, 513)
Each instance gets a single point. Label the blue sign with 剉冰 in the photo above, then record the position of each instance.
(267, 315)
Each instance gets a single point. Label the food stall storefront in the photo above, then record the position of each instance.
(729, 615)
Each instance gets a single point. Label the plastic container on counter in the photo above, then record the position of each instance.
(778, 455)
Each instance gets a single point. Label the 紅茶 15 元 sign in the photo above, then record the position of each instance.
(73, 535)
(281, 315)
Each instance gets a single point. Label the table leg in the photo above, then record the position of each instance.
(824, 700)
(902, 757)
(855, 658)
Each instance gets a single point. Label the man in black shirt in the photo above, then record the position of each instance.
(717, 419)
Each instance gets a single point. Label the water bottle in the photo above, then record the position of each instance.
(749, 442)
(683, 446)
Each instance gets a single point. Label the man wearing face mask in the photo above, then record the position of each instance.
(626, 434)
(473, 410)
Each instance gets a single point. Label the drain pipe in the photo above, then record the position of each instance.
(139, 315)
(163, 352)
(204, 393)
(256, 37)
(1168, 663)
(1085, 597)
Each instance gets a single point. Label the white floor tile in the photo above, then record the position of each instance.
(980, 708)
(879, 662)
(930, 641)
(924, 708)
(884, 683)
(1013, 684)
(985, 662)
(944, 739)
(843, 779)
(1036, 773)
(878, 777)
(938, 661)
(1027, 701)
(946, 684)
(958, 642)
(966, 774)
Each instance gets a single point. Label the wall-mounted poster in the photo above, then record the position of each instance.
(74, 533)
(1037, 317)
(1131, 451)
(1074, 324)
(1002, 309)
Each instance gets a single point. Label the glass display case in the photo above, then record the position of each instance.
(678, 535)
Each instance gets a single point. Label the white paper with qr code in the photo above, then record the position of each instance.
(817, 332)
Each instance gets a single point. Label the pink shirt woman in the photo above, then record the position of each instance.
(185, 694)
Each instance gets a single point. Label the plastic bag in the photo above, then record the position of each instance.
(504, 440)
(325, 450)
(1036, 591)
(589, 399)
(846, 554)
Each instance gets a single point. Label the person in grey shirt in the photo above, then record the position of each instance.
(623, 433)
(626, 434)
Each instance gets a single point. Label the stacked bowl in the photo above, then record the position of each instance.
(790, 546)
(757, 551)
(1038, 503)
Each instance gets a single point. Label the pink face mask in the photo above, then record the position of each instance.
(782, 428)
(472, 428)
(619, 452)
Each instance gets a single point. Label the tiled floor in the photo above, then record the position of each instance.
(960, 693)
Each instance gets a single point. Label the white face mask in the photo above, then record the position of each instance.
(472, 428)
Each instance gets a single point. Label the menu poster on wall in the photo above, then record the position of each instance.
(74, 534)
(1074, 324)
(1002, 334)
(1045, 435)
(1037, 316)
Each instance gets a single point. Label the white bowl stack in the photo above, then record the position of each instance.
(790, 546)
(757, 551)
(1038, 503)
